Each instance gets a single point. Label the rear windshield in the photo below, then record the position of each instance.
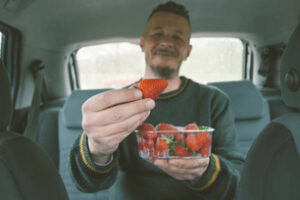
(116, 65)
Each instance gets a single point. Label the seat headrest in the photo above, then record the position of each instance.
(246, 101)
(72, 115)
(290, 71)
(5, 100)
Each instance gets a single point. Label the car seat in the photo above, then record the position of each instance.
(272, 167)
(26, 171)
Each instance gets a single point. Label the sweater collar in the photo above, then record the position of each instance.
(171, 94)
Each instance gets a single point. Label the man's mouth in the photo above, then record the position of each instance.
(164, 52)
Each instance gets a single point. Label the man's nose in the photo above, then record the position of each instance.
(167, 41)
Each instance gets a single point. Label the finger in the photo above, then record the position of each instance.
(189, 163)
(126, 126)
(195, 171)
(118, 113)
(108, 143)
(187, 177)
(161, 163)
(180, 176)
(165, 165)
(109, 98)
(179, 173)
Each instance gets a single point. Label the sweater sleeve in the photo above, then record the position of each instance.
(221, 179)
(88, 176)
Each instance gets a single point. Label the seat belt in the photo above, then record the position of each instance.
(31, 131)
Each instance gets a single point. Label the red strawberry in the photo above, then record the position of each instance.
(202, 138)
(147, 131)
(192, 143)
(179, 137)
(152, 88)
(195, 141)
(146, 145)
(169, 129)
(191, 126)
(161, 145)
(207, 139)
(204, 151)
(156, 153)
(181, 151)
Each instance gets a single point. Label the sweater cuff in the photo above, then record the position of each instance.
(85, 156)
(107, 163)
(209, 176)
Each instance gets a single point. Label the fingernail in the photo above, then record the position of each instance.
(138, 93)
(150, 104)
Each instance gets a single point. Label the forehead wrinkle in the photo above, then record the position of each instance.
(159, 28)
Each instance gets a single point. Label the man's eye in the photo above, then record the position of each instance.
(176, 37)
(156, 35)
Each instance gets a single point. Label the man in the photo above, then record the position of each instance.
(108, 146)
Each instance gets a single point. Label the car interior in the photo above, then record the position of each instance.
(44, 74)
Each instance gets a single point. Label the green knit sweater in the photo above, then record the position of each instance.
(130, 177)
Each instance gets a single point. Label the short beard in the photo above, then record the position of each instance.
(164, 71)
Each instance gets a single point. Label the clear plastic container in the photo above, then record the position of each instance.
(178, 143)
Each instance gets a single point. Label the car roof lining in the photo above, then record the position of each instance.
(74, 23)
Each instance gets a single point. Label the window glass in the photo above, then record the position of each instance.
(116, 65)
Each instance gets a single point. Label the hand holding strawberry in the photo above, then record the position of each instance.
(109, 117)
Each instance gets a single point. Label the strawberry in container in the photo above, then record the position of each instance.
(168, 141)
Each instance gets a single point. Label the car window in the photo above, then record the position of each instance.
(116, 65)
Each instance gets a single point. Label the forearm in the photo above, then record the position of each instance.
(88, 176)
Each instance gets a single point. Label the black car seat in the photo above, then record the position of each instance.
(26, 171)
(272, 167)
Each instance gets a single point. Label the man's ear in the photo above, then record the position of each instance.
(189, 49)
(142, 39)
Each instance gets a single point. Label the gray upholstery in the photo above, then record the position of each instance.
(271, 170)
(250, 109)
(278, 107)
(290, 63)
(72, 109)
(48, 129)
(69, 129)
(5, 102)
(246, 101)
(26, 172)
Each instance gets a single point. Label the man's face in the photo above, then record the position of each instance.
(166, 43)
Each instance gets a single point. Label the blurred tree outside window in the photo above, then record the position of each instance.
(116, 65)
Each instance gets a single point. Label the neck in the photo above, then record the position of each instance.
(173, 82)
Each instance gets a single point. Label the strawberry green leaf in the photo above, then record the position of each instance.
(167, 139)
